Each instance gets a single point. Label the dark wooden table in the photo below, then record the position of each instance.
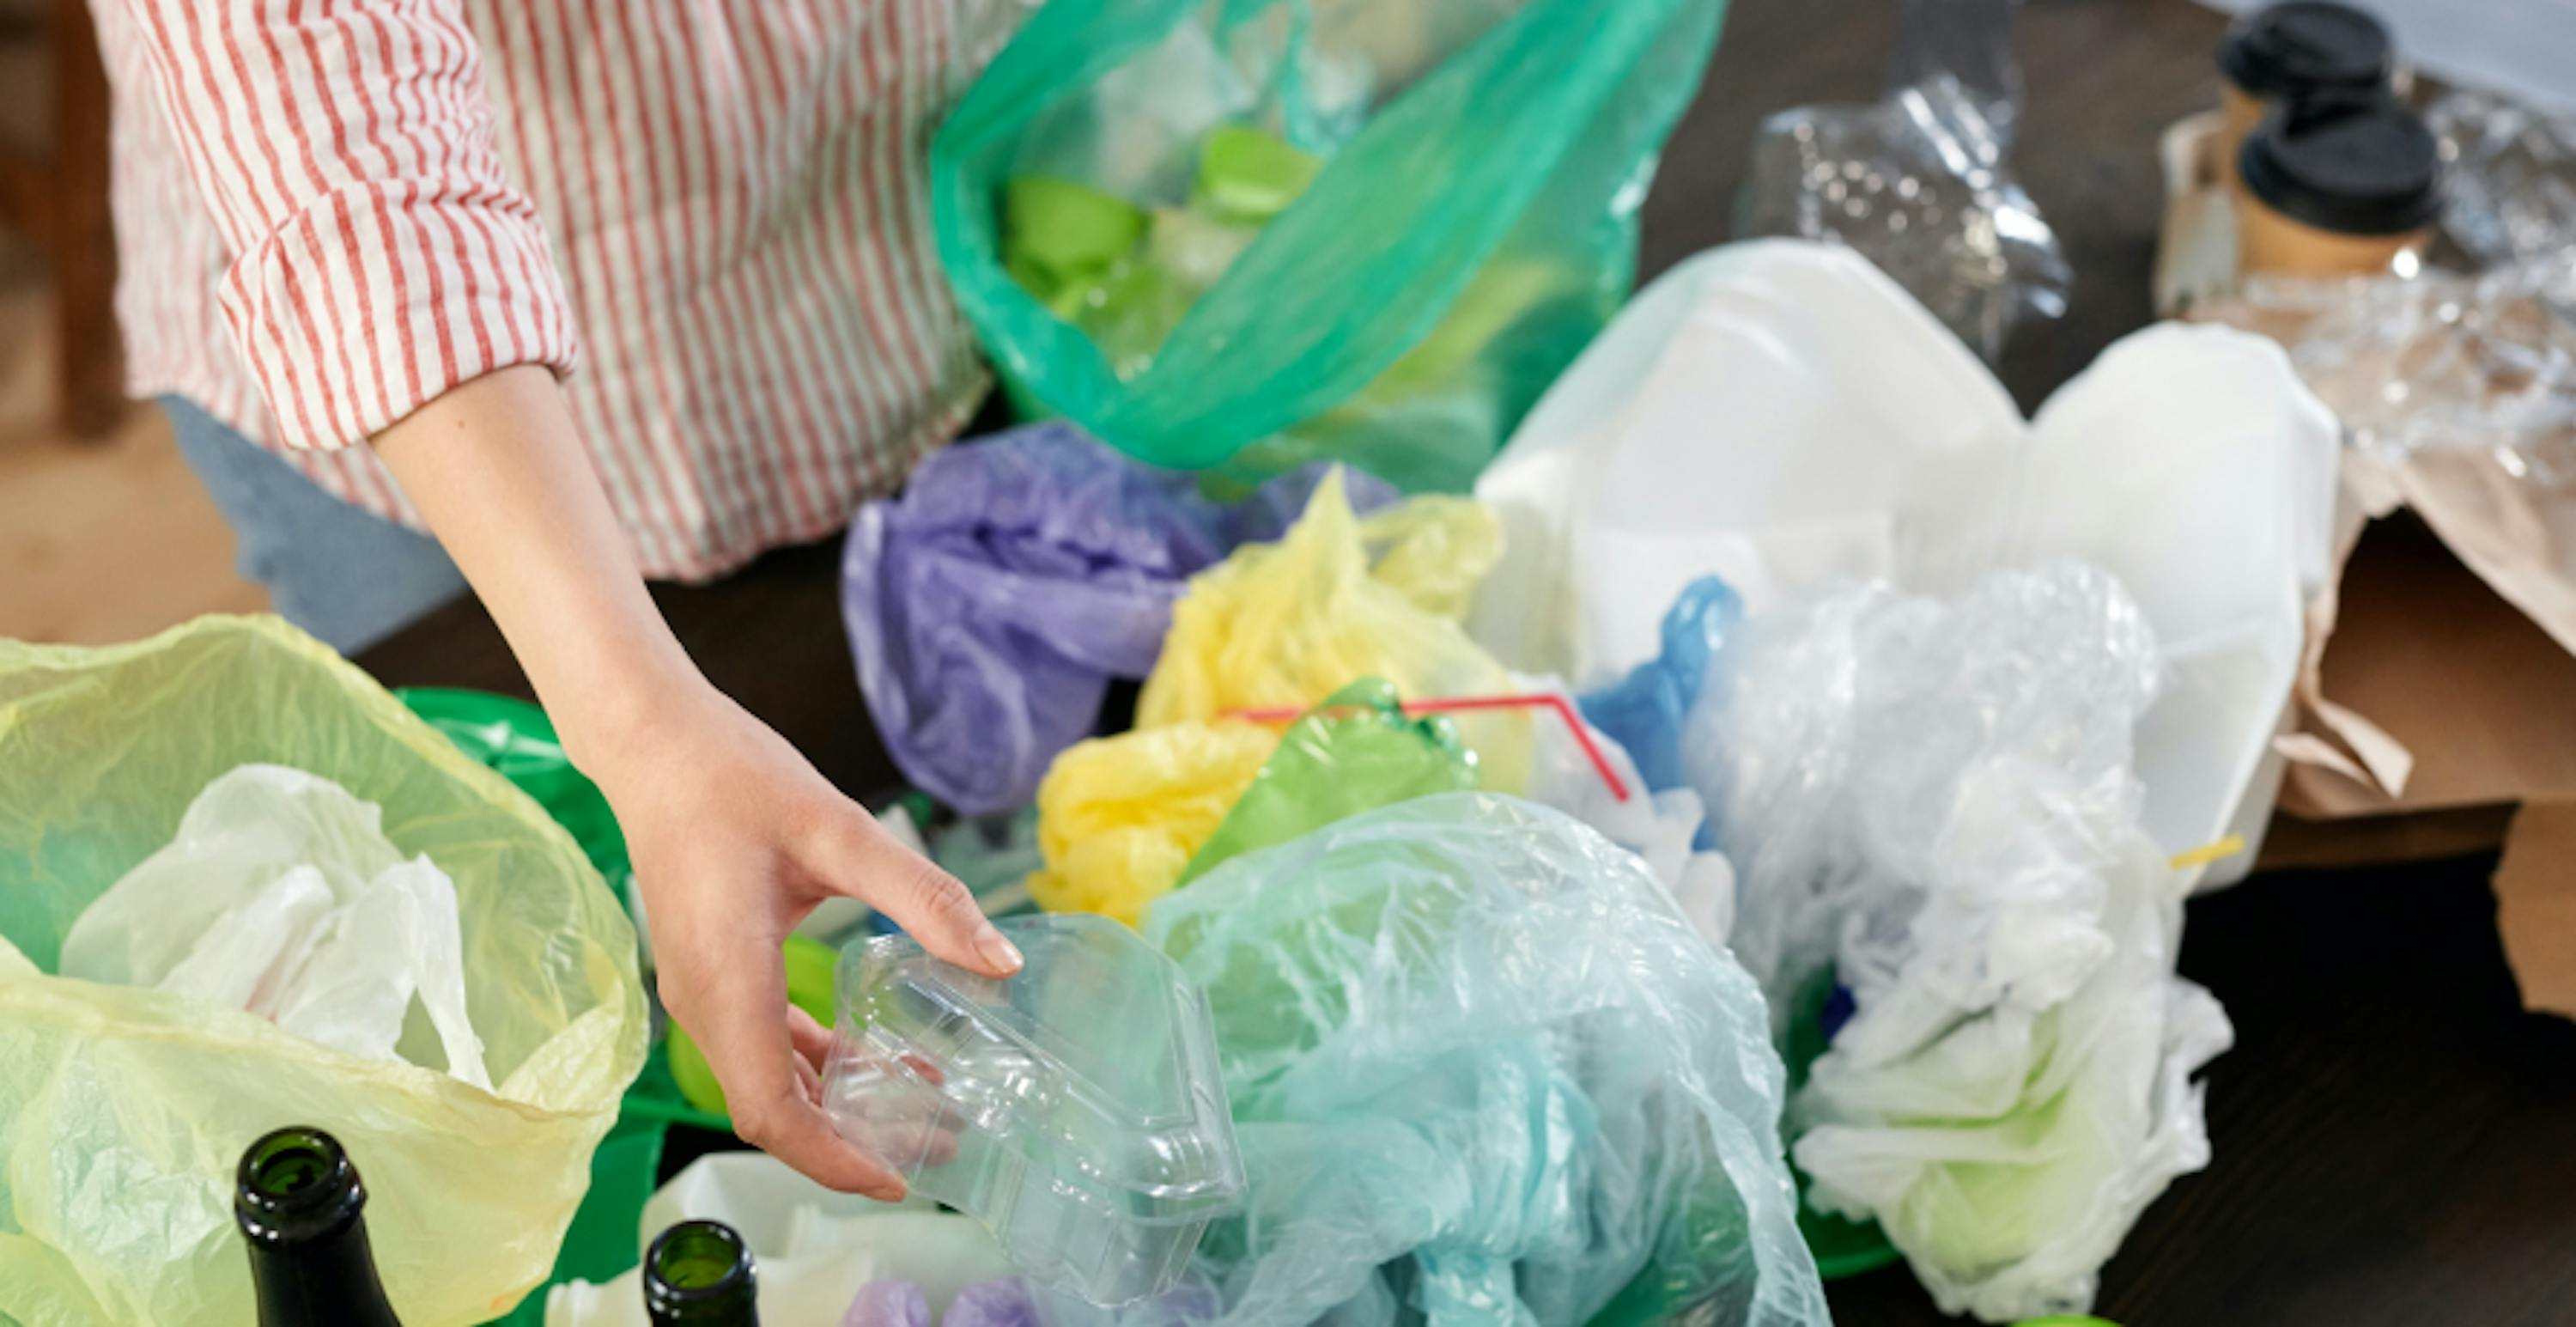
(2395, 1140)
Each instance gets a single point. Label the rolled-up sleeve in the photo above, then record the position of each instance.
(381, 253)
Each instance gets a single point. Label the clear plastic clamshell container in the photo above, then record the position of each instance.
(1075, 1109)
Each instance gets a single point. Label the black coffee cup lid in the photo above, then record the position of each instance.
(2356, 166)
(2307, 46)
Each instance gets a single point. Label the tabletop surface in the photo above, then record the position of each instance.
(2395, 1140)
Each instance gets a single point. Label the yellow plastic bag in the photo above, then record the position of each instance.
(123, 1111)
(1275, 626)
(1284, 625)
(1119, 817)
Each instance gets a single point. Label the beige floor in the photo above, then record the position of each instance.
(99, 541)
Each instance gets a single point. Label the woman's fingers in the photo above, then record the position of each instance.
(812, 1040)
(857, 858)
(733, 1001)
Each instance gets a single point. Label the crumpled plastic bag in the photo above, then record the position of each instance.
(816, 1250)
(1667, 828)
(1935, 802)
(1479, 1065)
(124, 1110)
(1916, 181)
(1781, 415)
(1355, 752)
(1124, 820)
(1004, 1303)
(1119, 818)
(1285, 624)
(1278, 625)
(281, 895)
(1645, 710)
(991, 604)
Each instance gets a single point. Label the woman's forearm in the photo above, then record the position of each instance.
(735, 838)
(498, 468)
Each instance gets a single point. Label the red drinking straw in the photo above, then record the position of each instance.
(1454, 704)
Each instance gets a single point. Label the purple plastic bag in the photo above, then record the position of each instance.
(992, 1304)
(888, 1304)
(991, 604)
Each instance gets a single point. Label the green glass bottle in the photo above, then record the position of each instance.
(300, 1205)
(700, 1274)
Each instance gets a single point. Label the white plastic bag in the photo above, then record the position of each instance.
(1933, 802)
(1780, 414)
(1662, 828)
(814, 1247)
(281, 895)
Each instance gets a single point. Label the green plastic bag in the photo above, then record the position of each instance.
(124, 1111)
(1355, 752)
(1473, 225)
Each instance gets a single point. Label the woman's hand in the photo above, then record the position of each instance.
(735, 838)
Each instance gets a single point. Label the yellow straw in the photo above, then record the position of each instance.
(2210, 852)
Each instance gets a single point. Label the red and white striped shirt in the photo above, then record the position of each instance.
(331, 211)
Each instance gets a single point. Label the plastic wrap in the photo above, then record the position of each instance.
(123, 1110)
(1917, 183)
(1480, 1066)
(991, 604)
(2438, 361)
(1935, 803)
(2508, 179)
(1479, 181)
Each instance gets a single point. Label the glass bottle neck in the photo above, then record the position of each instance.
(326, 1281)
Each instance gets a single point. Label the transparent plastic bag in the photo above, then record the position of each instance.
(1935, 804)
(1666, 827)
(2509, 177)
(1916, 183)
(2459, 394)
(150, 1097)
(1480, 1066)
(991, 604)
(1481, 161)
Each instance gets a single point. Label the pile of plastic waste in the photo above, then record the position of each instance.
(1514, 815)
